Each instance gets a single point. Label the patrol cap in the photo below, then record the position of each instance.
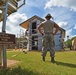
(48, 15)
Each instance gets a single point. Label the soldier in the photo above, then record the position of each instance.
(48, 36)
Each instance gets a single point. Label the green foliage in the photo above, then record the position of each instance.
(68, 43)
(32, 64)
(16, 71)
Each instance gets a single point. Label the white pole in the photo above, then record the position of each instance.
(0, 55)
(4, 31)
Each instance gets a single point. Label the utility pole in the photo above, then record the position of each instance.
(67, 40)
(4, 31)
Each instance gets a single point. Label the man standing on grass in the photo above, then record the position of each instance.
(48, 36)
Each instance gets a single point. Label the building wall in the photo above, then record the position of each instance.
(39, 44)
(57, 41)
(74, 44)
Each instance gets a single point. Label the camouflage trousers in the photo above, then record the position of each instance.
(48, 44)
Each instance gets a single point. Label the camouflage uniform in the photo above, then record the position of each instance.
(48, 38)
(48, 44)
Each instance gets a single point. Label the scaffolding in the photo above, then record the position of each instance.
(7, 7)
(22, 41)
(12, 6)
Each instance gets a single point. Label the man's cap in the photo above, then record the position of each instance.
(48, 15)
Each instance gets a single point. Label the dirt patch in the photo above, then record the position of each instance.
(11, 63)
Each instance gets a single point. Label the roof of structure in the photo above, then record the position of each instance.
(12, 7)
(25, 24)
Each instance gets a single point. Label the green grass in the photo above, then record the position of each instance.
(32, 64)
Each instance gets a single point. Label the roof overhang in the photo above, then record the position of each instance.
(25, 24)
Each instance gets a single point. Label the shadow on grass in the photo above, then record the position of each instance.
(66, 64)
(16, 71)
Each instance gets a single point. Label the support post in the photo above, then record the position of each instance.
(4, 31)
(0, 55)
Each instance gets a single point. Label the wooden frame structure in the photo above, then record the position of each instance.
(7, 7)
(12, 7)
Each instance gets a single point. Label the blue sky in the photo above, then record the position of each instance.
(63, 12)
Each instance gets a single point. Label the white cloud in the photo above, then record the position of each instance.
(16, 18)
(64, 3)
(13, 21)
(75, 26)
(68, 33)
(63, 24)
